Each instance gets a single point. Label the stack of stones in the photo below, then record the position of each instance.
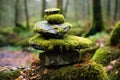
(59, 49)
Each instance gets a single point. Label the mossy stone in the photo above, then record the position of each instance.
(88, 71)
(105, 54)
(115, 35)
(66, 43)
(56, 58)
(52, 30)
(55, 18)
(52, 11)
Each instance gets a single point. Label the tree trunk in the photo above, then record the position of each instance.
(108, 9)
(43, 8)
(26, 14)
(60, 5)
(116, 10)
(76, 10)
(16, 13)
(97, 22)
(65, 9)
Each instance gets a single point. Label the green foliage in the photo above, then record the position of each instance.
(67, 43)
(105, 54)
(55, 18)
(115, 35)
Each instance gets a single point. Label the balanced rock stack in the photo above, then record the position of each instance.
(59, 49)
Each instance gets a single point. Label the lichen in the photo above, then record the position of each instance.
(115, 35)
(105, 54)
(66, 43)
(55, 18)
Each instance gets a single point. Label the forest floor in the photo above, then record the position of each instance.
(16, 58)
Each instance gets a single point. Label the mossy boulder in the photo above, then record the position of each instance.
(88, 71)
(64, 44)
(106, 54)
(115, 35)
(52, 30)
(55, 18)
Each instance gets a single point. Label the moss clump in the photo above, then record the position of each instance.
(55, 18)
(92, 71)
(66, 43)
(52, 11)
(105, 54)
(115, 35)
(9, 74)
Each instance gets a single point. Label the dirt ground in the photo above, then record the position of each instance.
(15, 58)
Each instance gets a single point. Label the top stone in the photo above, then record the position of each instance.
(52, 11)
(53, 16)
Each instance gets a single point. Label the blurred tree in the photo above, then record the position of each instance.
(76, 10)
(43, 8)
(66, 7)
(97, 22)
(60, 5)
(18, 14)
(26, 14)
(108, 9)
(116, 9)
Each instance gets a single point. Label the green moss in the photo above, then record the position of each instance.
(55, 18)
(114, 73)
(88, 71)
(105, 54)
(93, 71)
(52, 11)
(9, 74)
(67, 43)
(115, 35)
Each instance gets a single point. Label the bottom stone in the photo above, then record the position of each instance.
(87, 71)
(57, 58)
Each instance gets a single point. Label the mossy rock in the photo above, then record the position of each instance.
(88, 71)
(52, 11)
(106, 54)
(55, 18)
(56, 58)
(66, 43)
(52, 30)
(115, 35)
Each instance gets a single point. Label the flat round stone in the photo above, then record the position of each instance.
(66, 43)
(51, 30)
(52, 11)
